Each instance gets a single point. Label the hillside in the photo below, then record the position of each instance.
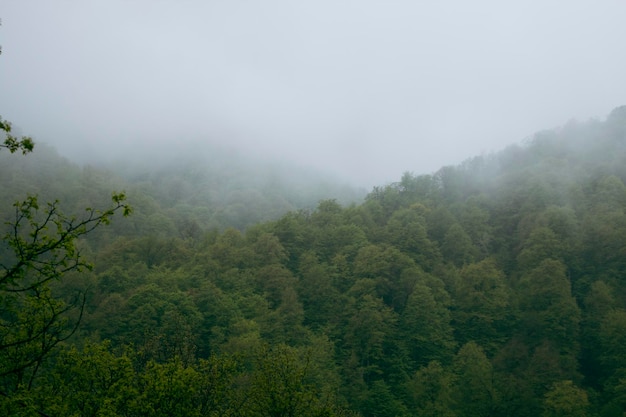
(495, 287)
(194, 188)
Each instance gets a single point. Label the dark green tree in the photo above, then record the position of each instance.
(425, 328)
(612, 335)
(430, 391)
(283, 385)
(548, 310)
(457, 246)
(482, 305)
(474, 392)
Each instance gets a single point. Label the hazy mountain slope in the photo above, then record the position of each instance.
(495, 287)
(203, 190)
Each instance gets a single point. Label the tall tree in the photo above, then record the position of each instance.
(430, 391)
(474, 392)
(549, 312)
(425, 328)
(482, 305)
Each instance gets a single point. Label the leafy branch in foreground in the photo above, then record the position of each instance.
(44, 247)
(12, 143)
(39, 247)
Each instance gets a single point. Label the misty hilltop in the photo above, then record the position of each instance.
(364, 92)
(207, 188)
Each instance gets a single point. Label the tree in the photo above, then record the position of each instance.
(541, 244)
(283, 385)
(549, 312)
(39, 246)
(599, 302)
(385, 265)
(320, 298)
(407, 230)
(565, 399)
(368, 343)
(474, 392)
(167, 390)
(612, 336)
(87, 382)
(430, 391)
(457, 246)
(425, 327)
(379, 400)
(482, 305)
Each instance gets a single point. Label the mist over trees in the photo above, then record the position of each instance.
(493, 287)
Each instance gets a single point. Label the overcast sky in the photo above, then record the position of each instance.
(365, 89)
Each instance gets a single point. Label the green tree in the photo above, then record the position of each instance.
(598, 303)
(167, 389)
(542, 244)
(407, 230)
(474, 218)
(425, 327)
(612, 336)
(565, 400)
(231, 250)
(220, 387)
(268, 250)
(218, 310)
(368, 334)
(385, 265)
(482, 305)
(474, 392)
(380, 401)
(457, 246)
(320, 298)
(87, 382)
(283, 385)
(548, 310)
(161, 324)
(430, 391)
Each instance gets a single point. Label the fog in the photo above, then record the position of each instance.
(362, 89)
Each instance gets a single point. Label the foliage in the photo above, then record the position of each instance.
(39, 247)
(12, 143)
(495, 287)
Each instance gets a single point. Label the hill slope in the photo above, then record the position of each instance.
(495, 287)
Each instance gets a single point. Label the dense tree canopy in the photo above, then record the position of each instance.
(495, 287)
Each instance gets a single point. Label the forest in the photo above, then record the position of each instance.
(495, 287)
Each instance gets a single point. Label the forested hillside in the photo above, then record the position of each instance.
(495, 287)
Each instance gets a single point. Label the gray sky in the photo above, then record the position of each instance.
(365, 89)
